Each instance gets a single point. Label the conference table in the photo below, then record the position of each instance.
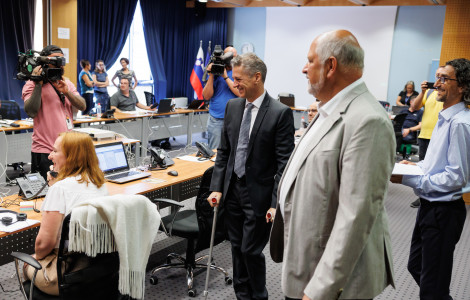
(15, 142)
(159, 185)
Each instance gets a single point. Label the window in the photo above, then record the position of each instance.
(136, 51)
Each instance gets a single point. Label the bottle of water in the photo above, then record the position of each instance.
(303, 123)
(98, 110)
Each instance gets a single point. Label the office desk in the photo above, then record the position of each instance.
(15, 142)
(178, 188)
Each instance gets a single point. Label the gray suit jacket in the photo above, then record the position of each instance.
(335, 241)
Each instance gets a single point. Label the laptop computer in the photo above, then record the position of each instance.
(197, 104)
(113, 162)
(164, 106)
(398, 109)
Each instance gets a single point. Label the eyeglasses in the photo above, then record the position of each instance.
(311, 110)
(443, 79)
(101, 65)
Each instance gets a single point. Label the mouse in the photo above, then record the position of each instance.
(172, 173)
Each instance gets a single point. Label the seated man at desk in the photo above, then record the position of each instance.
(312, 112)
(125, 99)
(410, 126)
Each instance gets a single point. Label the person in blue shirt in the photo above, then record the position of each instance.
(100, 78)
(218, 89)
(86, 85)
(446, 173)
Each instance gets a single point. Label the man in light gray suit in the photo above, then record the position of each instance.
(331, 229)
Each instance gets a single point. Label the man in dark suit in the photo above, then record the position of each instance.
(256, 142)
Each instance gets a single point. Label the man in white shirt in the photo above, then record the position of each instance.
(330, 228)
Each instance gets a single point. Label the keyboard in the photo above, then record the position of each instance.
(121, 175)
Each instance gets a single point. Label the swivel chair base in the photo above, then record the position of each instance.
(190, 268)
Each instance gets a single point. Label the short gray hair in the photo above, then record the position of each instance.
(251, 64)
(347, 51)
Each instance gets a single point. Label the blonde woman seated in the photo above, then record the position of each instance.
(79, 178)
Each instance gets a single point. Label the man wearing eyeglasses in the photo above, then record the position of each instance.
(312, 111)
(432, 107)
(446, 169)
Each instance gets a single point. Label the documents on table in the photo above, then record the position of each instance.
(402, 169)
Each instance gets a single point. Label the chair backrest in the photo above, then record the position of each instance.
(205, 215)
(83, 277)
(149, 98)
(287, 99)
(9, 109)
(398, 122)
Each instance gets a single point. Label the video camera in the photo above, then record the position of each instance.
(30, 60)
(220, 60)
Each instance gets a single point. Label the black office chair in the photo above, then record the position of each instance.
(10, 110)
(98, 280)
(149, 98)
(192, 225)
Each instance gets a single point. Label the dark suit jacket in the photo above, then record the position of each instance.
(271, 143)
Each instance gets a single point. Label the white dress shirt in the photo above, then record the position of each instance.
(299, 154)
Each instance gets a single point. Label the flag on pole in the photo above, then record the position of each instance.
(196, 74)
(208, 55)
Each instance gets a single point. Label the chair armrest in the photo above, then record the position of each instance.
(27, 259)
(167, 201)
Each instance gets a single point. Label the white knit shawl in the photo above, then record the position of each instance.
(126, 223)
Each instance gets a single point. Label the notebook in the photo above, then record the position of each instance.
(113, 162)
(164, 106)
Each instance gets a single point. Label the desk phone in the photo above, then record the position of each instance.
(32, 184)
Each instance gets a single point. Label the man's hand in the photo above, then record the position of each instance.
(214, 195)
(270, 215)
(406, 131)
(305, 297)
(396, 178)
(407, 162)
(209, 68)
(424, 86)
(37, 72)
(61, 86)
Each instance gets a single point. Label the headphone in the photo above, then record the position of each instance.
(9, 220)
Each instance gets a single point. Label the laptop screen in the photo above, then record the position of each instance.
(112, 157)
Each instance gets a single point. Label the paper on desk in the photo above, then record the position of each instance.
(15, 226)
(192, 158)
(402, 169)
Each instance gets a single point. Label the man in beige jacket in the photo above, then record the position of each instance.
(331, 229)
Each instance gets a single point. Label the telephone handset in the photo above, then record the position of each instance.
(204, 150)
(32, 186)
(160, 159)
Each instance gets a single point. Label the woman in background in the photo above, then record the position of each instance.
(408, 92)
(100, 78)
(125, 72)
(79, 178)
(86, 85)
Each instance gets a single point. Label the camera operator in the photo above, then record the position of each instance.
(218, 89)
(51, 104)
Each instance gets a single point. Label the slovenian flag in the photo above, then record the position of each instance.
(196, 74)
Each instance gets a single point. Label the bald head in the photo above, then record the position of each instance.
(344, 46)
(231, 49)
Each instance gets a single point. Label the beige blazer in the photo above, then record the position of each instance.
(335, 242)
